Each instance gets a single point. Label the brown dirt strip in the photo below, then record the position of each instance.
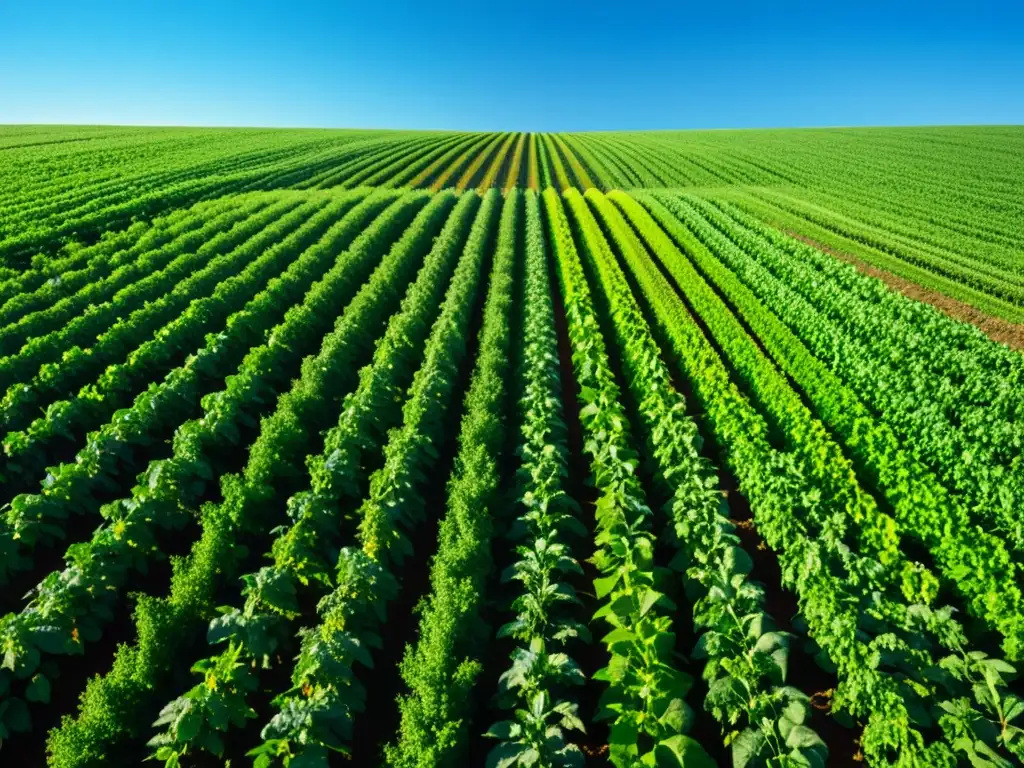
(997, 329)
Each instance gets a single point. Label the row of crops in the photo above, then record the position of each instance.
(938, 207)
(474, 474)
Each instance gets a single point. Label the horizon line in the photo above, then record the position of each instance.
(207, 126)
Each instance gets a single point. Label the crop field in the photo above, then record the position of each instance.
(506, 449)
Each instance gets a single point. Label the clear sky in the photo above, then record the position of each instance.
(524, 65)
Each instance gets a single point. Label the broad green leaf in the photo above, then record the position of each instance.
(676, 715)
(802, 737)
(619, 635)
(188, 725)
(649, 600)
(38, 689)
(605, 584)
(505, 755)
(624, 733)
(747, 746)
(795, 712)
(682, 751)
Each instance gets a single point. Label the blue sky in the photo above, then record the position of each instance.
(526, 65)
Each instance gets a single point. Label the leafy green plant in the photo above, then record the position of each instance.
(70, 608)
(536, 736)
(885, 648)
(116, 704)
(922, 508)
(351, 616)
(645, 701)
(534, 687)
(441, 667)
(746, 659)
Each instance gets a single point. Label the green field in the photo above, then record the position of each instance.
(454, 449)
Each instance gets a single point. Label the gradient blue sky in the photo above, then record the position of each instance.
(528, 65)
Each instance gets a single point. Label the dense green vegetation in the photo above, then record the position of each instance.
(938, 206)
(442, 449)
